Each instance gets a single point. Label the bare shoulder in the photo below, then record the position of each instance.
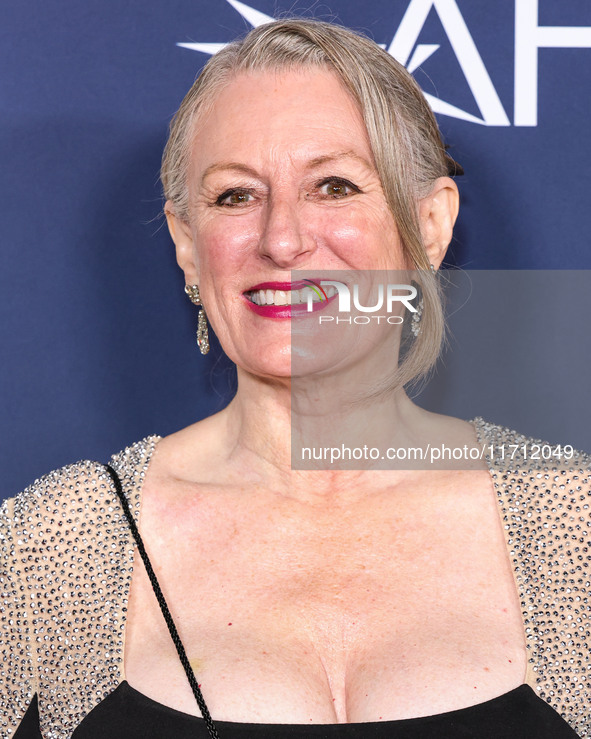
(197, 452)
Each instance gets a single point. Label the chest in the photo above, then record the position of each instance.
(393, 608)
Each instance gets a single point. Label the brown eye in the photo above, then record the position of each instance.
(234, 197)
(237, 198)
(336, 188)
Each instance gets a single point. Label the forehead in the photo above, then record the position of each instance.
(279, 116)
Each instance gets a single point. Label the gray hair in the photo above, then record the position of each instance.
(403, 134)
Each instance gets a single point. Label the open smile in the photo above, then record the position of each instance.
(287, 299)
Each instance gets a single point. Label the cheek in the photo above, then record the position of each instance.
(224, 244)
(364, 239)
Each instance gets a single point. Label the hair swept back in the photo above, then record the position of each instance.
(403, 135)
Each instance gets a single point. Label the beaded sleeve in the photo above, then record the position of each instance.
(545, 507)
(68, 554)
(18, 684)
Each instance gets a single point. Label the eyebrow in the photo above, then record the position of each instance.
(234, 166)
(312, 164)
(338, 156)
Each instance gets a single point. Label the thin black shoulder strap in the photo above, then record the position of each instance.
(164, 607)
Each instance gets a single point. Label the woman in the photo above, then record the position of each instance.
(312, 602)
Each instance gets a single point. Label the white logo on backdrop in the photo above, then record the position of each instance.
(529, 38)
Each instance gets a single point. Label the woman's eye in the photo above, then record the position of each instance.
(234, 197)
(337, 188)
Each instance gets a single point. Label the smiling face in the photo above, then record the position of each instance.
(282, 178)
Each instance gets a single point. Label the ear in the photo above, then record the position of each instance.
(181, 234)
(437, 213)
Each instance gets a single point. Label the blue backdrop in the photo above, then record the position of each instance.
(96, 333)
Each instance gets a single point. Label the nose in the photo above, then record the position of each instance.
(284, 239)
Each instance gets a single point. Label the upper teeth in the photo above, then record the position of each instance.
(289, 297)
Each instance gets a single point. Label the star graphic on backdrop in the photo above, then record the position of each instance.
(400, 49)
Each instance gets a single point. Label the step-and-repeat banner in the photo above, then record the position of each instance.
(97, 336)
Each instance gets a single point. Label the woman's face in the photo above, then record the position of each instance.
(281, 178)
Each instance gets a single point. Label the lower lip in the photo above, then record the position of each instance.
(287, 311)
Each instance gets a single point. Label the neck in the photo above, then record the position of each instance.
(271, 421)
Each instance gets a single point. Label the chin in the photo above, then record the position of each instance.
(271, 372)
(267, 361)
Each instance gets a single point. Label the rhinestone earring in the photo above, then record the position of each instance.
(202, 333)
(415, 322)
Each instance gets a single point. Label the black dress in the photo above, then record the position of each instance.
(128, 714)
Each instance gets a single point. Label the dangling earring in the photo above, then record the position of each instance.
(415, 322)
(202, 332)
